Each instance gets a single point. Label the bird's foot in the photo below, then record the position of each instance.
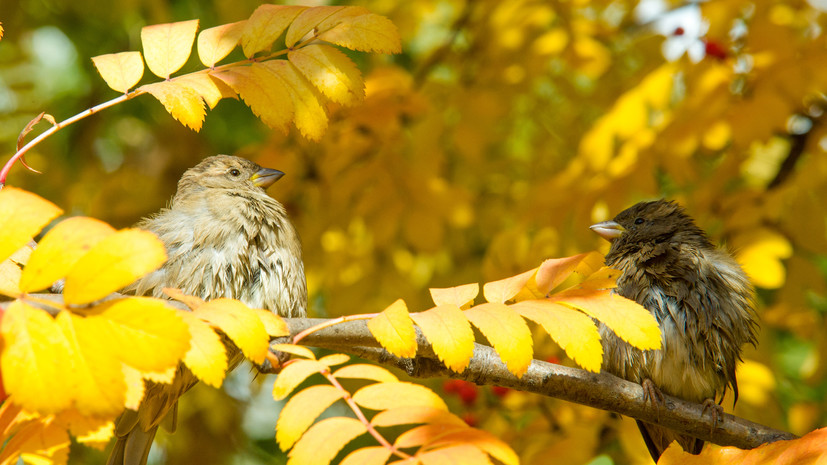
(651, 393)
(715, 411)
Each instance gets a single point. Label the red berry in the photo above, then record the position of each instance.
(678, 31)
(470, 419)
(468, 394)
(452, 385)
(500, 391)
(553, 359)
(715, 50)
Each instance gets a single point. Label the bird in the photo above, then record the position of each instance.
(225, 238)
(702, 300)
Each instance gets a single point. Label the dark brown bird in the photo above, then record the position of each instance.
(225, 237)
(701, 299)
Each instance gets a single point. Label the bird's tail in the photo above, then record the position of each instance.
(133, 447)
(658, 438)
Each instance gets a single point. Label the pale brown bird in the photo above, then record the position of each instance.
(702, 300)
(225, 237)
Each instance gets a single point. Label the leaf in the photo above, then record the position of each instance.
(207, 356)
(167, 46)
(422, 435)
(806, 449)
(604, 278)
(394, 329)
(573, 331)
(121, 71)
(117, 260)
(24, 214)
(414, 415)
(180, 101)
(629, 320)
(309, 117)
(135, 387)
(60, 249)
(382, 396)
(240, 323)
(265, 25)
(331, 71)
(505, 289)
(366, 33)
(294, 374)
(264, 93)
(323, 441)
(554, 271)
(449, 333)
(365, 371)
(209, 88)
(459, 295)
(35, 359)
(294, 349)
(273, 324)
(484, 441)
(301, 411)
(192, 302)
(215, 43)
(762, 258)
(462, 454)
(334, 359)
(375, 455)
(10, 275)
(311, 18)
(507, 332)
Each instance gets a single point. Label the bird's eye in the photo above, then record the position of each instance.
(638, 220)
(234, 172)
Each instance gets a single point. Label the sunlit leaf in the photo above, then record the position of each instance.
(24, 214)
(298, 350)
(167, 46)
(238, 322)
(323, 441)
(207, 356)
(273, 324)
(192, 302)
(49, 445)
(382, 396)
(265, 25)
(505, 289)
(10, 275)
(394, 329)
(209, 88)
(507, 332)
(366, 33)
(365, 371)
(121, 71)
(449, 333)
(376, 455)
(555, 270)
(461, 454)
(319, 18)
(294, 374)
(762, 258)
(331, 71)
(302, 410)
(181, 101)
(414, 415)
(459, 295)
(424, 434)
(806, 449)
(264, 93)
(135, 387)
(217, 42)
(483, 440)
(310, 118)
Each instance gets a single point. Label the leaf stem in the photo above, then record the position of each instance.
(333, 322)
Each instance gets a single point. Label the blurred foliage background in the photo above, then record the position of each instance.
(499, 135)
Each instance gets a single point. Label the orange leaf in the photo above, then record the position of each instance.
(365, 371)
(111, 264)
(507, 332)
(298, 350)
(376, 455)
(331, 71)
(167, 46)
(807, 449)
(604, 278)
(483, 440)
(207, 356)
(555, 270)
(263, 93)
(273, 324)
(425, 434)
(265, 25)
(121, 71)
(24, 215)
(462, 454)
(382, 396)
(215, 43)
(209, 88)
(323, 441)
(320, 18)
(192, 302)
(417, 414)
(366, 33)
(238, 322)
(294, 374)
(505, 289)
(449, 333)
(459, 295)
(394, 329)
(60, 249)
(310, 118)
(181, 101)
(301, 411)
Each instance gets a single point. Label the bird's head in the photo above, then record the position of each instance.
(227, 173)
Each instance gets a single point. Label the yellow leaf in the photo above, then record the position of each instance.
(161, 377)
(301, 411)
(483, 440)
(366, 33)
(262, 92)
(331, 71)
(298, 350)
(424, 434)
(375, 455)
(22, 255)
(273, 324)
(135, 387)
(144, 333)
(507, 332)
(238, 322)
(394, 329)
(207, 356)
(121, 71)
(604, 278)
(111, 264)
(180, 101)
(24, 215)
(35, 359)
(365, 371)
(382, 396)
(91, 431)
(97, 382)
(505, 289)
(309, 117)
(10, 275)
(167, 46)
(60, 249)
(323, 441)
(630, 321)
(462, 454)
(756, 383)
(449, 333)
(459, 295)
(762, 258)
(334, 359)
(573, 331)
(414, 415)
(265, 26)
(192, 302)
(49, 446)
(215, 43)
(555, 270)
(209, 88)
(320, 18)
(294, 374)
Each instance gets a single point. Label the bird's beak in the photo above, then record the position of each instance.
(265, 177)
(609, 230)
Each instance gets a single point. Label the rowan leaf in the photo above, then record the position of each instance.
(168, 46)
(425, 434)
(294, 374)
(482, 440)
(273, 324)
(383, 396)
(24, 214)
(209, 88)
(449, 333)
(628, 319)
(264, 93)
(302, 410)
(121, 71)
(10, 275)
(366, 33)
(459, 295)
(294, 349)
(573, 331)
(215, 43)
(60, 249)
(319, 18)
(461, 454)
(111, 264)
(135, 387)
(309, 116)
(265, 25)
(505, 289)
(331, 71)
(507, 332)
(207, 356)
(323, 441)
(334, 359)
(415, 415)
(180, 101)
(240, 323)
(375, 455)
(365, 371)
(394, 329)
(604, 278)
(35, 359)
(192, 302)
(554, 271)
